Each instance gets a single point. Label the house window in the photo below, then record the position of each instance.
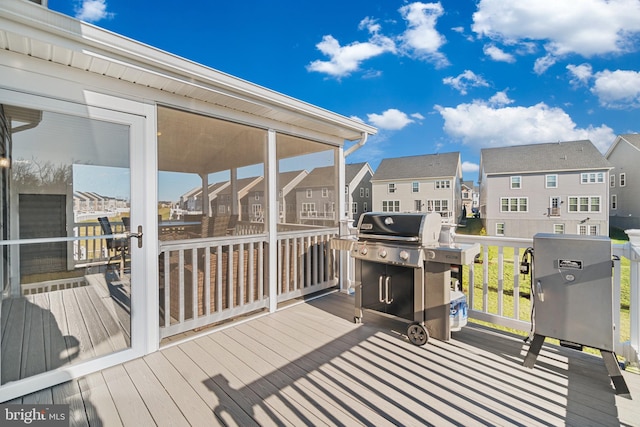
(551, 181)
(325, 192)
(514, 204)
(222, 209)
(500, 229)
(346, 189)
(361, 192)
(309, 193)
(354, 208)
(444, 183)
(391, 206)
(516, 182)
(308, 207)
(588, 229)
(465, 195)
(256, 196)
(592, 178)
(623, 179)
(415, 187)
(584, 204)
(614, 201)
(365, 206)
(366, 192)
(558, 228)
(418, 205)
(612, 180)
(391, 188)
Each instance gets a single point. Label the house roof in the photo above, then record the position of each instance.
(319, 177)
(423, 166)
(549, 157)
(632, 139)
(29, 29)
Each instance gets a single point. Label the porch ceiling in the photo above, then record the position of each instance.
(32, 30)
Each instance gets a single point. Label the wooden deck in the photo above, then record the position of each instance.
(47, 330)
(310, 364)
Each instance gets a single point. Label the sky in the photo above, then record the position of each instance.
(433, 77)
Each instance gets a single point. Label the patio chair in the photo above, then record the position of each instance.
(119, 247)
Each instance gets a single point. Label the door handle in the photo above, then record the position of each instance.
(137, 235)
(387, 286)
(380, 297)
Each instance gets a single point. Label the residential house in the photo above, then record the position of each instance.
(424, 183)
(470, 196)
(624, 181)
(357, 189)
(316, 197)
(105, 114)
(559, 187)
(255, 203)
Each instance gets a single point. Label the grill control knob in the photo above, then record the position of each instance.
(364, 250)
(382, 253)
(404, 255)
(430, 254)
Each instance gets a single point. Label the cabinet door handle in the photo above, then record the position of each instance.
(388, 297)
(380, 296)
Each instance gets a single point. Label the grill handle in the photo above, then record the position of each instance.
(380, 297)
(387, 283)
(391, 238)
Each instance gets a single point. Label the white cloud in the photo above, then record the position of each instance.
(464, 81)
(92, 11)
(497, 54)
(346, 59)
(421, 37)
(543, 63)
(617, 89)
(483, 125)
(585, 27)
(392, 119)
(500, 98)
(580, 74)
(417, 116)
(470, 167)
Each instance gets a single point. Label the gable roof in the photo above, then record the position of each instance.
(549, 157)
(319, 177)
(353, 170)
(632, 139)
(422, 166)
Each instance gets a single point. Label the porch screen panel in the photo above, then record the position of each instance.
(66, 297)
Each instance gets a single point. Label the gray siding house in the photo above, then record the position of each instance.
(624, 180)
(558, 187)
(424, 183)
(358, 189)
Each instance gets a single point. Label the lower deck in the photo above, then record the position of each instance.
(309, 364)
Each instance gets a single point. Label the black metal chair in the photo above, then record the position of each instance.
(118, 246)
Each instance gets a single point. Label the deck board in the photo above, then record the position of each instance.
(310, 364)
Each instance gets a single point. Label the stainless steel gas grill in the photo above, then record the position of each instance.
(403, 268)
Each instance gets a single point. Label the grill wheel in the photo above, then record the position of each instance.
(417, 334)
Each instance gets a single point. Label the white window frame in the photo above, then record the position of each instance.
(589, 229)
(623, 179)
(500, 226)
(325, 192)
(518, 204)
(415, 187)
(558, 228)
(308, 207)
(365, 206)
(515, 182)
(612, 180)
(579, 204)
(361, 192)
(309, 192)
(614, 202)
(366, 192)
(592, 178)
(391, 206)
(443, 184)
(391, 187)
(546, 181)
(354, 208)
(417, 204)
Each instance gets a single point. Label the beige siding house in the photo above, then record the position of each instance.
(624, 180)
(558, 187)
(425, 183)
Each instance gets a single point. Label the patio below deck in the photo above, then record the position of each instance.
(309, 364)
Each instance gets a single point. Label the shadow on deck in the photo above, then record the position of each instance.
(310, 364)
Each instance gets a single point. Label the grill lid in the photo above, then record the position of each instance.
(416, 228)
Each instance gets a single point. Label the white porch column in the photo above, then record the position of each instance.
(206, 205)
(235, 202)
(634, 297)
(271, 219)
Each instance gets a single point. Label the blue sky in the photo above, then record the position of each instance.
(454, 75)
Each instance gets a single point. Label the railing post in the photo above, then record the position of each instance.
(634, 297)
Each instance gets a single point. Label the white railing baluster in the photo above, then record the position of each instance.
(500, 279)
